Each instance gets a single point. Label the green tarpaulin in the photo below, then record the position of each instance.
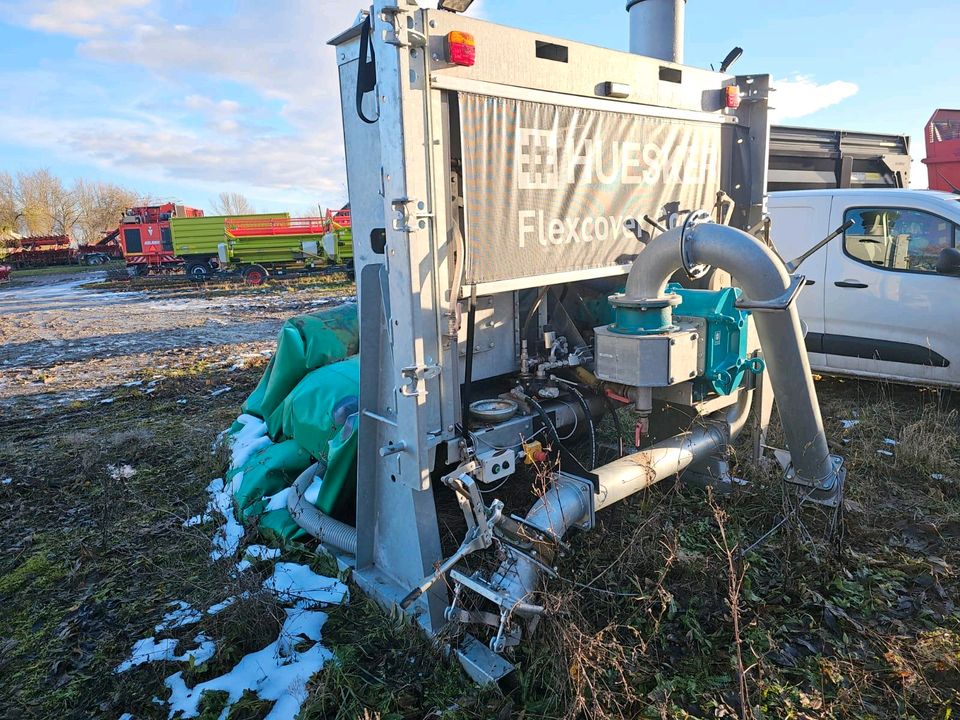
(308, 398)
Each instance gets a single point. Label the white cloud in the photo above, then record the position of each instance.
(800, 96)
(80, 18)
(241, 96)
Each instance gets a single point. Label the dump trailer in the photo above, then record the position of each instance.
(818, 159)
(255, 245)
(543, 227)
(942, 137)
(198, 241)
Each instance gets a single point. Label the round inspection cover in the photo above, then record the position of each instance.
(493, 410)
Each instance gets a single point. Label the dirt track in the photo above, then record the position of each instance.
(61, 342)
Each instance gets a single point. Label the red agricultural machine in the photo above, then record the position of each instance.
(145, 237)
(943, 151)
(40, 250)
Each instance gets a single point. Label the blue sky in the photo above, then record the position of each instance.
(182, 99)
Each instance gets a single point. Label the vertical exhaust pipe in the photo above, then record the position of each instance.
(656, 28)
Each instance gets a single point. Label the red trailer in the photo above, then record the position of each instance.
(145, 238)
(943, 151)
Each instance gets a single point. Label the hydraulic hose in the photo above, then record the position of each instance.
(321, 526)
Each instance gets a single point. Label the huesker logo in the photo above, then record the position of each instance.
(546, 163)
(538, 160)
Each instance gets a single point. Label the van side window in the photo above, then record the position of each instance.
(897, 238)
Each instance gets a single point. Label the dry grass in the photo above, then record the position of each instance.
(640, 622)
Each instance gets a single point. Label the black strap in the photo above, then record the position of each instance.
(366, 70)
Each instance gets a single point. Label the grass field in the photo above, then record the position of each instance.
(655, 616)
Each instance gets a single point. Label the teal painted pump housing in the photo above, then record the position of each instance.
(725, 361)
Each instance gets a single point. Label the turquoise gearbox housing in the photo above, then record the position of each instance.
(725, 361)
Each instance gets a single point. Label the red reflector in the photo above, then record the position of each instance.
(732, 96)
(461, 49)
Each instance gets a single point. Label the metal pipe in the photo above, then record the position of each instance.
(656, 28)
(763, 277)
(564, 505)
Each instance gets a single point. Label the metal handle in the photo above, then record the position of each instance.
(850, 284)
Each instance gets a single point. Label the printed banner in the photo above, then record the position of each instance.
(551, 189)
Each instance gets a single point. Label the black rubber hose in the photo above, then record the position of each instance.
(590, 426)
(467, 389)
(612, 409)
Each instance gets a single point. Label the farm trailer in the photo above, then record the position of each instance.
(255, 245)
(519, 206)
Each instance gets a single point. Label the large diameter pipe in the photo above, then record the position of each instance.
(564, 504)
(656, 28)
(762, 276)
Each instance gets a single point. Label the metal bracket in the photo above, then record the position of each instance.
(587, 488)
(782, 302)
(412, 375)
(401, 207)
(827, 492)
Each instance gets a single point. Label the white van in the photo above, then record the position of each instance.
(882, 299)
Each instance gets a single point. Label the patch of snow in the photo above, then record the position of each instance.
(224, 604)
(148, 650)
(257, 552)
(204, 650)
(303, 588)
(121, 472)
(262, 552)
(889, 441)
(197, 520)
(107, 401)
(248, 440)
(278, 501)
(885, 452)
(182, 401)
(7, 481)
(227, 538)
(847, 424)
(933, 476)
(182, 614)
(220, 391)
(133, 383)
(277, 672)
(126, 716)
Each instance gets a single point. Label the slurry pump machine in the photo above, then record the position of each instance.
(543, 228)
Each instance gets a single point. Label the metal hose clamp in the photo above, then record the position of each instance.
(697, 217)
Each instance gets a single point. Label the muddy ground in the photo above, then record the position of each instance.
(63, 341)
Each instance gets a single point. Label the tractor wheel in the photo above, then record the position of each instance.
(255, 275)
(140, 270)
(198, 270)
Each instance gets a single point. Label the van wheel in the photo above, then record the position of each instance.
(255, 275)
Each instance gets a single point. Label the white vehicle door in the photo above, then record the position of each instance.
(888, 312)
(798, 224)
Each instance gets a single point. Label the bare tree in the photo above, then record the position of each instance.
(9, 215)
(36, 193)
(231, 203)
(100, 206)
